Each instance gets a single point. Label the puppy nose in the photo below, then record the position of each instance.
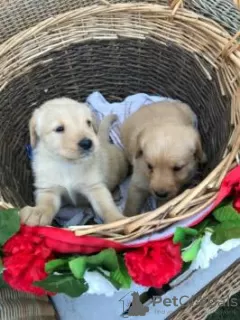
(85, 144)
(162, 194)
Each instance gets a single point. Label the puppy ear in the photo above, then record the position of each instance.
(199, 153)
(32, 129)
(138, 150)
(95, 123)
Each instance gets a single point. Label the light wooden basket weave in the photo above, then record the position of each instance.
(209, 299)
(120, 49)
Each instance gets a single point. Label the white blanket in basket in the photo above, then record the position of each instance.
(69, 216)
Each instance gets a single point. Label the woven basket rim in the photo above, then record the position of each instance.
(221, 289)
(226, 59)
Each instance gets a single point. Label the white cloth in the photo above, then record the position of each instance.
(98, 284)
(101, 107)
(209, 251)
(69, 216)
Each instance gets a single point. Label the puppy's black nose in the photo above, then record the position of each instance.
(85, 144)
(162, 194)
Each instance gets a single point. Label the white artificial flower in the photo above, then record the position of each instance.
(98, 284)
(210, 250)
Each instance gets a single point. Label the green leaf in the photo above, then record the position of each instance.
(225, 231)
(113, 282)
(9, 224)
(121, 275)
(3, 284)
(226, 213)
(181, 234)
(63, 284)
(1, 266)
(78, 266)
(190, 231)
(106, 259)
(55, 265)
(190, 253)
(202, 226)
(185, 267)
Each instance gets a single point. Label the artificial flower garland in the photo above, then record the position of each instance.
(34, 261)
(43, 260)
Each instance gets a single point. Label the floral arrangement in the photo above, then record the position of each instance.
(36, 260)
(43, 260)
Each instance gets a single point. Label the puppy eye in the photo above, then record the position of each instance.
(177, 168)
(59, 129)
(150, 167)
(89, 123)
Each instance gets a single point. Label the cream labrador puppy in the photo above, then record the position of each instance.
(163, 145)
(72, 162)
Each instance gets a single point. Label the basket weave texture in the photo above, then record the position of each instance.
(215, 294)
(120, 49)
(18, 15)
(20, 305)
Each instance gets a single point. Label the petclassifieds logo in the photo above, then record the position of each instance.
(133, 307)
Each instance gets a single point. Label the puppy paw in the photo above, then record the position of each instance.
(113, 217)
(35, 216)
(112, 117)
(130, 212)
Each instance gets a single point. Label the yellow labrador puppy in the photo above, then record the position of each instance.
(72, 162)
(163, 145)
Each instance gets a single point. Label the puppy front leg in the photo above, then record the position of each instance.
(102, 203)
(47, 205)
(137, 194)
(135, 200)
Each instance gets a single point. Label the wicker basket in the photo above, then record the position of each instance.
(121, 49)
(220, 289)
(17, 305)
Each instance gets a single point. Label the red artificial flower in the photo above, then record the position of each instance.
(230, 186)
(236, 198)
(154, 264)
(25, 255)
